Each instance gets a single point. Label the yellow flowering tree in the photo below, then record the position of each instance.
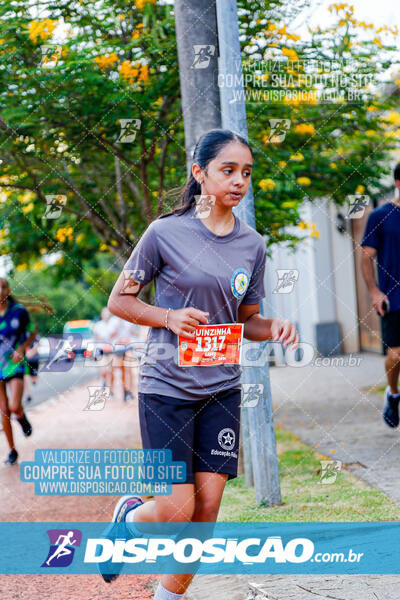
(322, 117)
(91, 118)
(90, 124)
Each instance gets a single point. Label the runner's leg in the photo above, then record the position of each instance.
(392, 365)
(5, 415)
(16, 390)
(177, 507)
(209, 488)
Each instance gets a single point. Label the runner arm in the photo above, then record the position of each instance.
(256, 328)
(367, 266)
(27, 342)
(127, 306)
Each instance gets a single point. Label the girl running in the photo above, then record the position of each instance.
(32, 355)
(16, 335)
(208, 268)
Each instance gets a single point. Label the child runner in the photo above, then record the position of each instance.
(208, 267)
(16, 335)
(101, 331)
(32, 356)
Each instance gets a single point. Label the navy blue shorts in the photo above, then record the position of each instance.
(203, 433)
(391, 329)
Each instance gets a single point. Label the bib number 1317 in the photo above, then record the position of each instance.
(210, 344)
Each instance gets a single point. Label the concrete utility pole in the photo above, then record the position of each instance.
(206, 106)
(197, 40)
(257, 421)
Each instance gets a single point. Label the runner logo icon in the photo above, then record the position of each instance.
(62, 542)
(226, 438)
(240, 282)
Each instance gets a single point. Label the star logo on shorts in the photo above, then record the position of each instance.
(226, 438)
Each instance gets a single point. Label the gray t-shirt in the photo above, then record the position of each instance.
(192, 266)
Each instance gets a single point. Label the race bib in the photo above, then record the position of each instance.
(211, 345)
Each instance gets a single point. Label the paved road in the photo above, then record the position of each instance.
(63, 423)
(53, 383)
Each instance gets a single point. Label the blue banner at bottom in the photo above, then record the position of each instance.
(213, 548)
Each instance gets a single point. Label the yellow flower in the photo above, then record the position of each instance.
(106, 61)
(136, 34)
(266, 184)
(141, 3)
(41, 29)
(371, 108)
(333, 165)
(314, 233)
(303, 225)
(28, 208)
(21, 267)
(127, 71)
(132, 73)
(144, 73)
(297, 157)
(360, 189)
(305, 128)
(303, 180)
(377, 41)
(293, 36)
(79, 238)
(393, 117)
(292, 100)
(38, 265)
(271, 27)
(122, 17)
(103, 247)
(311, 98)
(370, 132)
(282, 164)
(64, 233)
(289, 204)
(290, 53)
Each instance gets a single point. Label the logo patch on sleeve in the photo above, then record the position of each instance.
(240, 282)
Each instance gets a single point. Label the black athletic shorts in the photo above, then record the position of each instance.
(15, 376)
(391, 329)
(203, 433)
(33, 366)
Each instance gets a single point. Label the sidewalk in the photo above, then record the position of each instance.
(62, 423)
(330, 409)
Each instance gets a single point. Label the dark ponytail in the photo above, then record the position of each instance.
(207, 148)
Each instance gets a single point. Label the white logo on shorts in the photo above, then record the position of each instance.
(226, 438)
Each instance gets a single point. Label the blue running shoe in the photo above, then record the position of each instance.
(117, 529)
(391, 409)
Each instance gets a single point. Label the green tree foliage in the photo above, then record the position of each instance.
(61, 112)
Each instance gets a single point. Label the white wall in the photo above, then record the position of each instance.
(325, 290)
